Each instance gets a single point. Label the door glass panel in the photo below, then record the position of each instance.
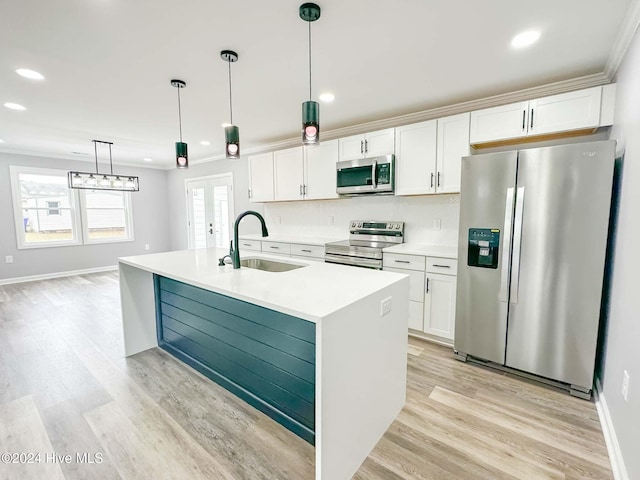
(199, 218)
(221, 206)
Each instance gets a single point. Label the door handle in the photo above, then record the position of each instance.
(441, 266)
(531, 127)
(506, 245)
(431, 179)
(427, 290)
(517, 245)
(249, 192)
(366, 146)
(361, 147)
(438, 179)
(277, 248)
(211, 231)
(300, 189)
(374, 166)
(402, 261)
(524, 119)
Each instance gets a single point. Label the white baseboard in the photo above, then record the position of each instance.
(47, 276)
(613, 447)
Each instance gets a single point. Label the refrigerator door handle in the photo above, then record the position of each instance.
(503, 295)
(517, 245)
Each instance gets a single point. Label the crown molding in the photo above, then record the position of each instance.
(79, 158)
(623, 40)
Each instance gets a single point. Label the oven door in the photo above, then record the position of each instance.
(366, 175)
(353, 261)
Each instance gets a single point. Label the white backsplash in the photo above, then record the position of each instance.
(311, 218)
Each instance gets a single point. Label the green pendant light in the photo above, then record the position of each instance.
(310, 12)
(182, 156)
(231, 132)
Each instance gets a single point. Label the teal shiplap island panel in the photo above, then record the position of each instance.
(265, 357)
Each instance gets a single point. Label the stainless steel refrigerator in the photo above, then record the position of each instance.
(532, 243)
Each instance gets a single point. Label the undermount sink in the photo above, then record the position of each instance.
(268, 265)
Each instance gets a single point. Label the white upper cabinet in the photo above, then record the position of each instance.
(557, 113)
(453, 144)
(289, 174)
(567, 111)
(320, 171)
(429, 155)
(261, 178)
(416, 158)
(499, 123)
(370, 144)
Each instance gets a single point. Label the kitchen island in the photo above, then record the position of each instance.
(310, 347)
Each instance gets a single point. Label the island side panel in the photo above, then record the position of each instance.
(137, 300)
(361, 377)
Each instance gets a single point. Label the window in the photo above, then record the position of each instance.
(48, 213)
(53, 208)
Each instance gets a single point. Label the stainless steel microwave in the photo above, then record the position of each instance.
(366, 176)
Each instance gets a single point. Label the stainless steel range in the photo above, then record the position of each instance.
(365, 244)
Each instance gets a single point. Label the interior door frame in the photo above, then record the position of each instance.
(189, 180)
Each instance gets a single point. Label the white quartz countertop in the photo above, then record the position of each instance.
(287, 238)
(312, 293)
(442, 251)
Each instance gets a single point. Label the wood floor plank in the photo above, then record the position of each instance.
(22, 431)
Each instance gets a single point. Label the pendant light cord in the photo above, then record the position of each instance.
(230, 103)
(179, 114)
(309, 60)
(95, 149)
(110, 159)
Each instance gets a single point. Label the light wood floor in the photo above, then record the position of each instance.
(66, 389)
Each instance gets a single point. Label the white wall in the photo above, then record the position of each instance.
(176, 193)
(150, 226)
(623, 330)
(311, 218)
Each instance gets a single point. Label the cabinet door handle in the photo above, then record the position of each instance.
(277, 248)
(438, 178)
(431, 179)
(300, 189)
(366, 146)
(303, 250)
(427, 290)
(246, 244)
(531, 119)
(249, 192)
(441, 266)
(402, 261)
(524, 115)
(361, 146)
(304, 188)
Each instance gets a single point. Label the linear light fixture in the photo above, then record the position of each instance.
(103, 181)
(310, 12)
(231, 131)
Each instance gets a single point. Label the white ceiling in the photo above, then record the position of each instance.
(108, 64)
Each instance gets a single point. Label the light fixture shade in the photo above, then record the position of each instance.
(92, 181)
(232, 141)
(182, 157)
(310, 123)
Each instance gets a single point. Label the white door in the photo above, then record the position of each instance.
(566, 111)
(499, 123)
(379, 143)
(351, 148)
(416, 158)
(440, 305)
(210, 211)
(261, 177)
(320, 170)
(453, 144)
(288, 174)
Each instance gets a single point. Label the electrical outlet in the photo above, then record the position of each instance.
(437, 224)
(8, 259)
(385, 306)
(625, 385)
(278, 220)
(331, 219)
(146, 246)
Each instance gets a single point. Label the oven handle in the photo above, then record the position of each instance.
(353, 261)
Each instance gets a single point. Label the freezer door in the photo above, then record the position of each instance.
(564, 195)
(486, 211)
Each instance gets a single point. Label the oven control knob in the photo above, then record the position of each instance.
(359, 225)
(397, 226)
(353, 224)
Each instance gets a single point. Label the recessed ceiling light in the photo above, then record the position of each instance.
(205, 142)
(225, 125)
(1, 140)
(14, 106)
(32, 74)
(327, 97)
(148, 159)
(525, 39)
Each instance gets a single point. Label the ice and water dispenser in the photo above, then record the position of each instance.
(483, 247)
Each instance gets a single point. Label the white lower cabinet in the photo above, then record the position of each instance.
(432, 293)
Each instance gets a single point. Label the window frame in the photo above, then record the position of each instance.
(128, 218)
(77, 202)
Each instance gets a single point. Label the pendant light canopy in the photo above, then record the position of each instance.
(103, 181)
(231, 132)
(310, 12)
(182, 156)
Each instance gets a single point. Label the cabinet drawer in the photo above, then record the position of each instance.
(410, 262)
(445, 266)
(276, 247)
(416, 282)
(316, 251)
(250, 245)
